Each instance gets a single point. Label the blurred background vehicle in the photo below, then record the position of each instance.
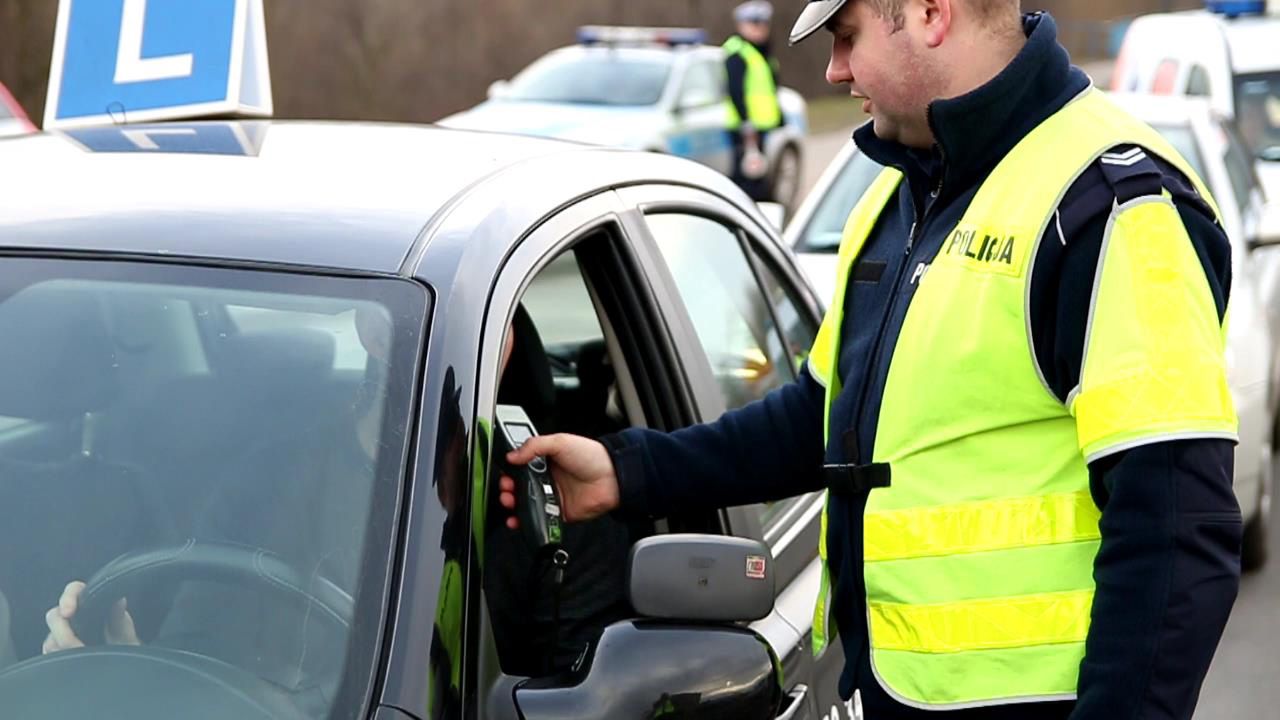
(1226, 53)
(656, 89)
(1217, 154)
(13, 120)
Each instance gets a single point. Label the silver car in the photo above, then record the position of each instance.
(261, 362)
(640, 88)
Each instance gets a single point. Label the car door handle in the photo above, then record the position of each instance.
(798, 695)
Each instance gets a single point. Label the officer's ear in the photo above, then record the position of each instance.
(931, 19)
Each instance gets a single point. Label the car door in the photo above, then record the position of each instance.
(591, 330)
(749, 320)
(698, 131)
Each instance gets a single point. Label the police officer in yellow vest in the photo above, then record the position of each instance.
(1017, 401)
(751, 108)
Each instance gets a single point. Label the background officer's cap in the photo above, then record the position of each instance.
(815, 14)
(753, 11)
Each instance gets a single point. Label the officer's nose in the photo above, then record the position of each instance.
(838, 68)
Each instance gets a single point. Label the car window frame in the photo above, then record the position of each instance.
(600, 213)
(761, 245)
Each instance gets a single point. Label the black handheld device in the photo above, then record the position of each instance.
(537, 502)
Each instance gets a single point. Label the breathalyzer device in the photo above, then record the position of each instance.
(537, 502)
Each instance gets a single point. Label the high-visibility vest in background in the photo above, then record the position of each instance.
(978, 557)
(758, 88)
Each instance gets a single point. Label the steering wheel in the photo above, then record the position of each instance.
(151, 681)
(197, 560)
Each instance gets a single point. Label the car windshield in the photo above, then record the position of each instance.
(220, 448)
(595, 77)
(1258, 113)
(822, 233)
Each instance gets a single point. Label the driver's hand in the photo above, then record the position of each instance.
(119, 630)
(582, 470)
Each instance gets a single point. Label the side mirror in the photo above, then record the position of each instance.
(710, 578)
(498, 89)
(1268, 228)
(775, 213)
(647, 669)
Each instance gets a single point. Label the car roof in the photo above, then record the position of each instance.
(326, 194)
(655, 51)
(1162, 109)
(1251, 38)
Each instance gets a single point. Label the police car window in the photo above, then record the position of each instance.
(703, 85)
(731, 314)
(1258, 113)
(593, 77)
(1184, 141)
(822, 233)
(1239, 169)
(1198, 82)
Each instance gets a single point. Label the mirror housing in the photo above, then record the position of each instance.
(709, 578)
(497, 89)
(645, 669)
(1267, 231)
(775, 213)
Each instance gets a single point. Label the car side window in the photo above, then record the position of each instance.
(736, 326)
(1198, 84)
(559, 369)
(799, 331)
(703, 85)
(1239, 169)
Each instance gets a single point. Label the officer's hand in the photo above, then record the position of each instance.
(119, 630)
(581, 468)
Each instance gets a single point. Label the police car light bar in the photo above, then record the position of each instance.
(621, 35)
(1235, 8)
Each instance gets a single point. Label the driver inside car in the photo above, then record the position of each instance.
(322, 475)
(533, 637)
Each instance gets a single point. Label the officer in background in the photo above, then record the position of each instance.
(1017, 401)
(752, 106)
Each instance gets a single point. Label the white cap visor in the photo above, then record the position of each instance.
(816, 13)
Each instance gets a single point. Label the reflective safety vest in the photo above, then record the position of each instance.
(758, 88)
(978, 556)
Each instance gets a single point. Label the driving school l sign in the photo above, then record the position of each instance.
(126, 61)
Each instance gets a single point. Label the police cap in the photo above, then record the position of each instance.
(815, 14)
(757, 11)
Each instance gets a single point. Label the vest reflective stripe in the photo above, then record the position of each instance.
(759, 91)
(990, 485)
(982, 624)
(1121, 404)
(980, 527)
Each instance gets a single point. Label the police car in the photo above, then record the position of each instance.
(1222, 160)
(1225, 53)
(13, 121)
(257, 379)
(656, 89)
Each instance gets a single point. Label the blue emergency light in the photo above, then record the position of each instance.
(622, 35)
(1235, 8)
